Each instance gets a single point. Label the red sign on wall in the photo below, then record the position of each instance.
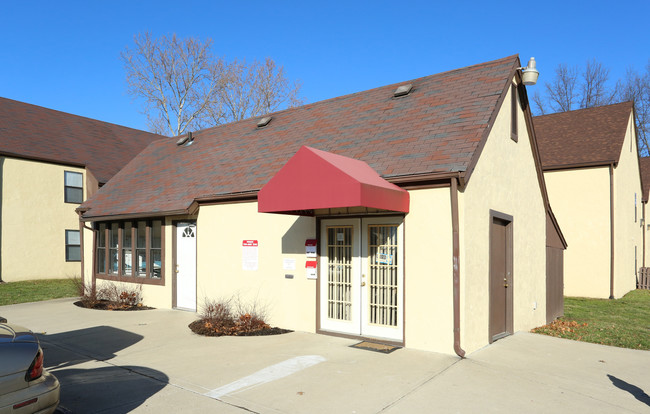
(249, 243)
(310, 247)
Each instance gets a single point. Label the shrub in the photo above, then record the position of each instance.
(109, 295)
(231, 317)
(87, 292)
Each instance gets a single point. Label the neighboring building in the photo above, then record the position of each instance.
(591, 166)
(425, 199)
(50, 162)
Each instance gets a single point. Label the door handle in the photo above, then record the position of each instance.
(363, 283)
(505, 282)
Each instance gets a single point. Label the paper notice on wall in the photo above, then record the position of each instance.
(289, 264)
(310, 267)
(249, 255)
(310, 247)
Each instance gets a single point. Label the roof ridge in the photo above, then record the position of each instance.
(586, 109)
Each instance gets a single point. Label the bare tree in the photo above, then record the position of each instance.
(561, 92)
(253, 90)
(539, 103)
(594, 90)
(568, 91)
(177, 78)
(185, 87)
(635, 87)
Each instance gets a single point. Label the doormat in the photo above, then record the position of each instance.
(373, 346)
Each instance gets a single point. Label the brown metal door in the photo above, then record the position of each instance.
(500, 278)
(554, 283)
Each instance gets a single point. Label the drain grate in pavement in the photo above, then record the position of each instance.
(377, 347)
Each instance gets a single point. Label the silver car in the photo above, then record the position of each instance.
(25, 386)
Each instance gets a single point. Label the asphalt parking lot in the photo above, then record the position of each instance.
(150, 362)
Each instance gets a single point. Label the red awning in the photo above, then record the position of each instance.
(314, 179)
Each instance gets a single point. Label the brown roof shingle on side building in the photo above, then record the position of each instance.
(592, 136)
(33, 132)
(436, 128)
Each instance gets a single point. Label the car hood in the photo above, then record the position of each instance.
(16, 333)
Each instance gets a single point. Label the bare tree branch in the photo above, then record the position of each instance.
(561, 92)
(539, 103)
(252, 90)
(593, 90)
(185, 87)
(635, 87)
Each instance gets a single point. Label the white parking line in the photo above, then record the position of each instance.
(272, 373)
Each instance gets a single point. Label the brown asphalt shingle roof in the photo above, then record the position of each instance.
(644, 164)
(583, 137)
(33, 132)
(436, 128)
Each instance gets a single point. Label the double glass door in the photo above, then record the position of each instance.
(362, 277)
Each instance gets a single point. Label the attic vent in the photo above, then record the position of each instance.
(403, 90)
(186, 140)
(262, 122)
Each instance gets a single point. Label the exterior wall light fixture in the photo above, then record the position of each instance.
(529, 73)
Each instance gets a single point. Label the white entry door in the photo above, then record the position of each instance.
(186, 266)
(362, 277)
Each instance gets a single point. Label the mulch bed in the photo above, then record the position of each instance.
(111, 306)
(200, 327)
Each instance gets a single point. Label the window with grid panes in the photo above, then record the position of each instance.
(130, 249)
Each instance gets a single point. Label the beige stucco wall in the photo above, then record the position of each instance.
(34, 220)
(428, 282)
(628, 230)
(580, 200)
(290, 303)
(504, 180)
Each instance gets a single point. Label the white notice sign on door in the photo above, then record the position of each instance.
(249, 255)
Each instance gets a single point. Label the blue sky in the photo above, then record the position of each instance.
(64, 55)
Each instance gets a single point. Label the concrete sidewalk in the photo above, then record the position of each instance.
(150, 362)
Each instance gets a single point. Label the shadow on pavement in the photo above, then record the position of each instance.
(637, 392)
(98, 343)
(108, 389)
(101, 386)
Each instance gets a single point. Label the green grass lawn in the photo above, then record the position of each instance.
(621, 322)
(36, 290)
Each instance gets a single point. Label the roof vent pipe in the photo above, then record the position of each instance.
(186, 140)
